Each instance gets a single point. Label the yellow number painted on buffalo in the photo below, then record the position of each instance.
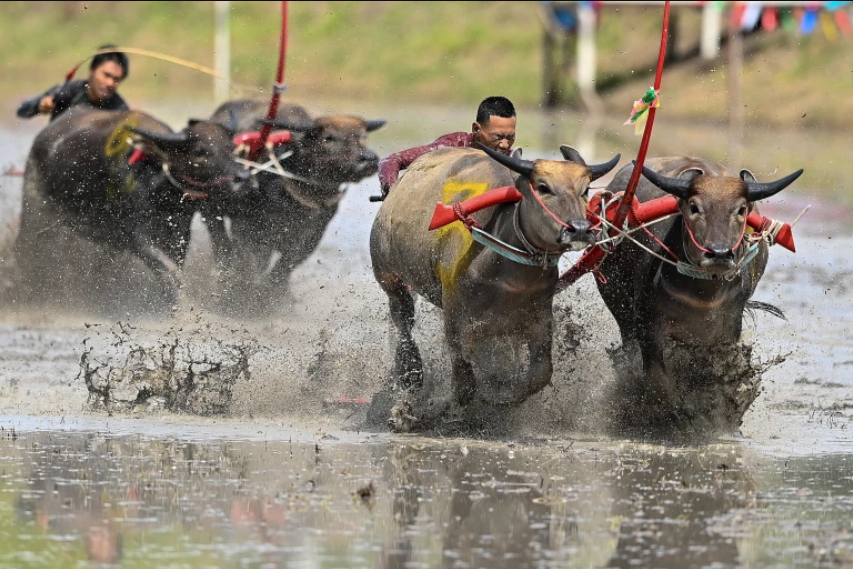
(453, 192)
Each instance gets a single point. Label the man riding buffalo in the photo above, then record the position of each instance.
(493, 128)
(99, 91)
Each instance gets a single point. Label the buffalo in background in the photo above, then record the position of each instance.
(80, 180)
(290, 209)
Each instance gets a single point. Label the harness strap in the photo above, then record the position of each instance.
(191, 194)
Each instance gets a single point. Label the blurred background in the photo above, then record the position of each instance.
(775, 67)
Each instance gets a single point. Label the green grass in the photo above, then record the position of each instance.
(452, 53)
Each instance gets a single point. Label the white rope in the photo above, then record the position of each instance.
(638, 228)
(637, 243)
(268, 167)
(802, 213)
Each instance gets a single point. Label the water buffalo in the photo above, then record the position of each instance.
(79, 166)
(289, 212)
(486, 298)
(663, 310)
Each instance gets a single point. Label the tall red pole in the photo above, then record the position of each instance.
(278, 88)
(593, 256)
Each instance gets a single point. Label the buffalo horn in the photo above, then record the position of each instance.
(163, 139)
(758, 191)
(372, 125)
(523, 167)
(678, 187)
(598, 170)
(293, 125)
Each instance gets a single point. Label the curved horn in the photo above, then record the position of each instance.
(598, 170)
(161, 138)
(294, 125)
(372, 125)
(758, 191)
(675, 186)
(523, 167)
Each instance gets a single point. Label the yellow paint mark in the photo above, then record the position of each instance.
(119, 141)
(118, 145)
(453, 192)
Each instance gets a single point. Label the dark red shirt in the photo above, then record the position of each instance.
(390, 166)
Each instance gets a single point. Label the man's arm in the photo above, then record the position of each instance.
(390, 166)
(35, 106)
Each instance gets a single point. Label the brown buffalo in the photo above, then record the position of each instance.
(660, 307)
(288, 214)
(486, 298)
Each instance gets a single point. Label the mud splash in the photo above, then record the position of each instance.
(187, 371)
(703, 391)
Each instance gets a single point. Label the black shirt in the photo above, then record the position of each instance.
(69, 95)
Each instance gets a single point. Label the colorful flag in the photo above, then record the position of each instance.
(808, 23)
(639, 114)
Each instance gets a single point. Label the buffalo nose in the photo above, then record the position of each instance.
(368, 156)
(577, 230)
(720, 252)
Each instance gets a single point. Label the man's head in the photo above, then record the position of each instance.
(105, 73)
(495, 125)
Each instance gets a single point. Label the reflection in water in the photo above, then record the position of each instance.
(67, 499)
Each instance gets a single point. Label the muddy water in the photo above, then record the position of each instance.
(272, 483)
(74, 498)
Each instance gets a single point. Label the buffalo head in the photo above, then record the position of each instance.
(553, 211)
(715, 208)
(198, 157)
(331, 150)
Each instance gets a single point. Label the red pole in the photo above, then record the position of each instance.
(278, 88)
(593, 256)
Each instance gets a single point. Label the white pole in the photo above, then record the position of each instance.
(711, 27)
(222, 52)
(586, 48)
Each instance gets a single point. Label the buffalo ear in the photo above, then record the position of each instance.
(691, 174)
(747, 176)
(571, 154)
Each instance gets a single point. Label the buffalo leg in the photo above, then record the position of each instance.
(408, 367)
(463, 381)
(541, 367)
(159, 262)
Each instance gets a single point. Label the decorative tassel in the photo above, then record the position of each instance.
(651, 100)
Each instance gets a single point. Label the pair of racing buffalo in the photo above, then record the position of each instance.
(498, 307)
(126, 180)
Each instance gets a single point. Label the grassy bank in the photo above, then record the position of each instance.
(414, 52)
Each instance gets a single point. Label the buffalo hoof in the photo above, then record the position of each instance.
(408, 416)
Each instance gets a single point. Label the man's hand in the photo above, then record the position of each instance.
(46, 105)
